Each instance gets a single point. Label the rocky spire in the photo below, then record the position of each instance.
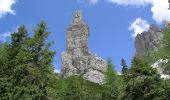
(78, 18)
(77, 60)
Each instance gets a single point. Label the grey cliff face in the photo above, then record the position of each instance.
(151, 41)
(148, 41)
(77, 60)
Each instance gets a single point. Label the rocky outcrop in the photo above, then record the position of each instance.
(151, 40)
(158, 65)
(77, 60)
(166, 24)
(148, 40)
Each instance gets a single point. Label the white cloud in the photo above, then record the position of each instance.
(159, 8)
(131, 2)
(5, 36)
(56, 70)
(93, 1)
(160, 11)
(6, 7)
(138, 26)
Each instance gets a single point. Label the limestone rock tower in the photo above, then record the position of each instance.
(77, 60)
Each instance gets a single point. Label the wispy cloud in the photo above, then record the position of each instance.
(131, 2)
(159, 8)
(6, 35)
(91, 2)
(138, 26)
(56, 70)
(6, 7)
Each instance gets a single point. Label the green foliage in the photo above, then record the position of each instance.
(27, 73)
(151, 57)
(162, 53)
(124, 66)
(76, 88)
(166, 46)
(110, 75)
(111, 90)
(26, 66)
(143, 82)
(166, 86)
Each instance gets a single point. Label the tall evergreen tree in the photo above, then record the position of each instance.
(27, 68)
(111, 87)
(8, 62)
(124, 66)
(5, 82)
(34, 72)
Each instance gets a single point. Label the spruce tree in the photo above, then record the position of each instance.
(26, 66)
(34, 75)
(8, 62)
(124, 66)
(5, 80)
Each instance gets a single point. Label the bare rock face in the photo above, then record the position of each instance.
(151, 41)
(158, 65)
(148, 41)
(166, 24)
(77, 60)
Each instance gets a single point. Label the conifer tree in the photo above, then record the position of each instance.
(8, 62)
(34, 70)
(26, 66)
(111, 88)
(124, 66)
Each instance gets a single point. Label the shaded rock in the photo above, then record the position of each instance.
(148, 41)
(166, 24)
(152, 41)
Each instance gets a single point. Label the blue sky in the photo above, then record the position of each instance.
(113, 23)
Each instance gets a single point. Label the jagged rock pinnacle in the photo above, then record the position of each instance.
(78, 18)
(77, 60)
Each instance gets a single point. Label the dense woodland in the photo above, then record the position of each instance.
(27, 73)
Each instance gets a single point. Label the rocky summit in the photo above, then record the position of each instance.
(148, 40)
(78, 60)
(151, 40)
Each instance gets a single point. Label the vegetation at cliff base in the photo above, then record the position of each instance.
(162, 53)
